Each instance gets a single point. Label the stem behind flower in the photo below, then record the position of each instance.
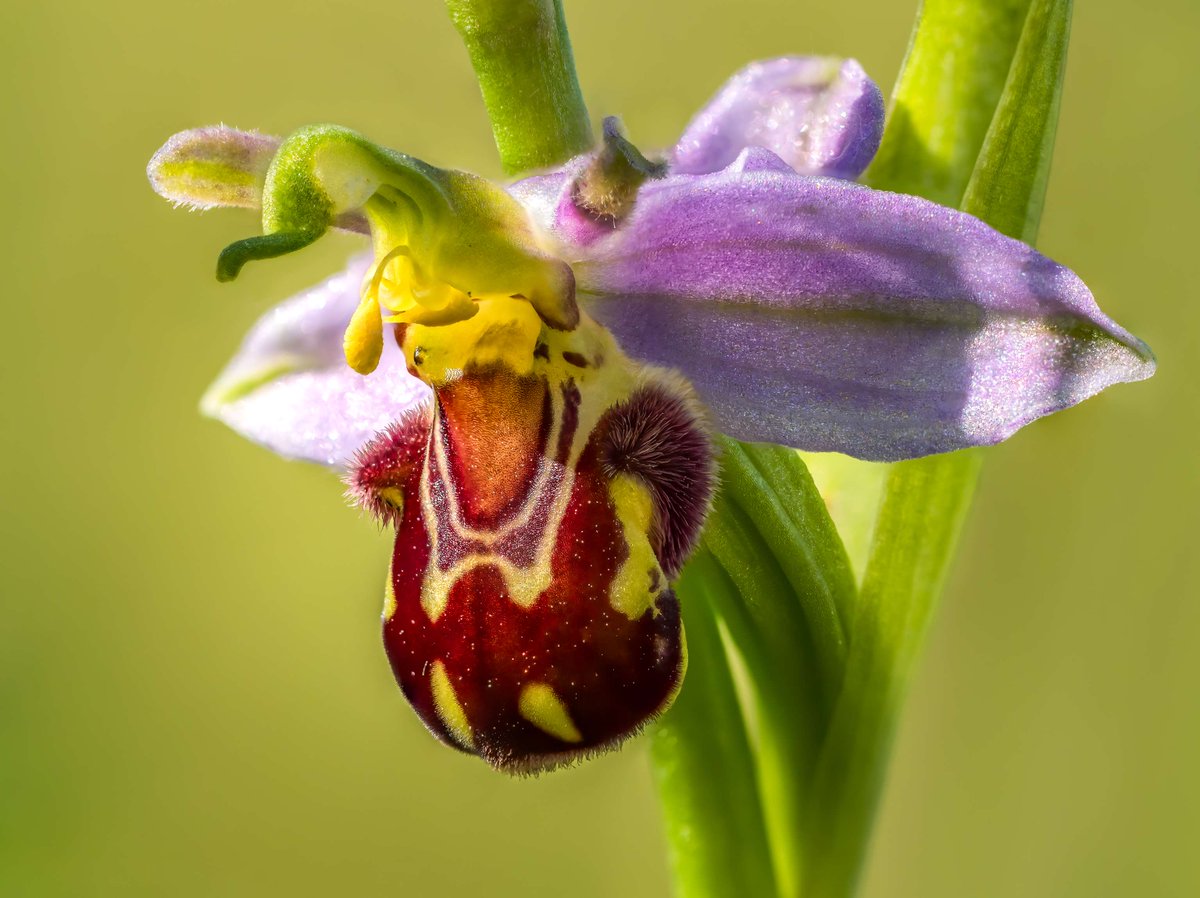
(522, 58)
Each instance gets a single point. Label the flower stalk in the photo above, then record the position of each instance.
(522, 58)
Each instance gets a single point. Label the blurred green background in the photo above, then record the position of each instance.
(193, 699)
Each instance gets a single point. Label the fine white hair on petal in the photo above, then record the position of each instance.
(822, 115)
(289, 388)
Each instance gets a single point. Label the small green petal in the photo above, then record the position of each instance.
(208, 167)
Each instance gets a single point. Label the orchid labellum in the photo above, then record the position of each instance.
(525, 381)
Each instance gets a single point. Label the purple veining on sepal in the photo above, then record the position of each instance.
(824, 315)
(821, 115)
(289, 388)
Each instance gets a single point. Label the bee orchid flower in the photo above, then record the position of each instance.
(525, 381)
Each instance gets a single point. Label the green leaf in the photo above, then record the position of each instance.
(926, 501)
(924, 507)
(703, 765)
(522, 59)
(1008, 186)
(772, 486)
(788, 592)
(771, 637)
(942, 105)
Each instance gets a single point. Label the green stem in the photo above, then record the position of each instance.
(702, 763)
(522, 59)
(924, 507)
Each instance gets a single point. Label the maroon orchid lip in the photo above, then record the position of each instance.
(530, 681)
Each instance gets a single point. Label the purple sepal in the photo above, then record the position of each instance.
(548, 202)
(824, 315)
(289, 387)
(821, 115)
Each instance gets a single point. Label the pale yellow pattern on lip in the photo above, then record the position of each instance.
(630, 592)
(608, 379)
(389, 597)
(451, 712)
(541, 706)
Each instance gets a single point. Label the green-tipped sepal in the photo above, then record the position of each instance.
(443, 239)
(216, 166)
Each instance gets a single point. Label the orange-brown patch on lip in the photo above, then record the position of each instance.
(495, 425)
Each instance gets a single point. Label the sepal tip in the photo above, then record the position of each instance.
(204, 168)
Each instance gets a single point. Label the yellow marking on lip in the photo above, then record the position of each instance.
(393, 496)
(630, 592)
(389, 596)
(448, 707)
(683, 666)
(541, 706)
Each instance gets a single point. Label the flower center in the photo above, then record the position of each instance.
(444, 240)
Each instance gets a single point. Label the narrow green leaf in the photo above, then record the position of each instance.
(790, 590)
(771, 636)
(1008, 187)
(522, 59)
(924, 506)
(703, 765)
(926, 501)
(942, 105)
(773, 487)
